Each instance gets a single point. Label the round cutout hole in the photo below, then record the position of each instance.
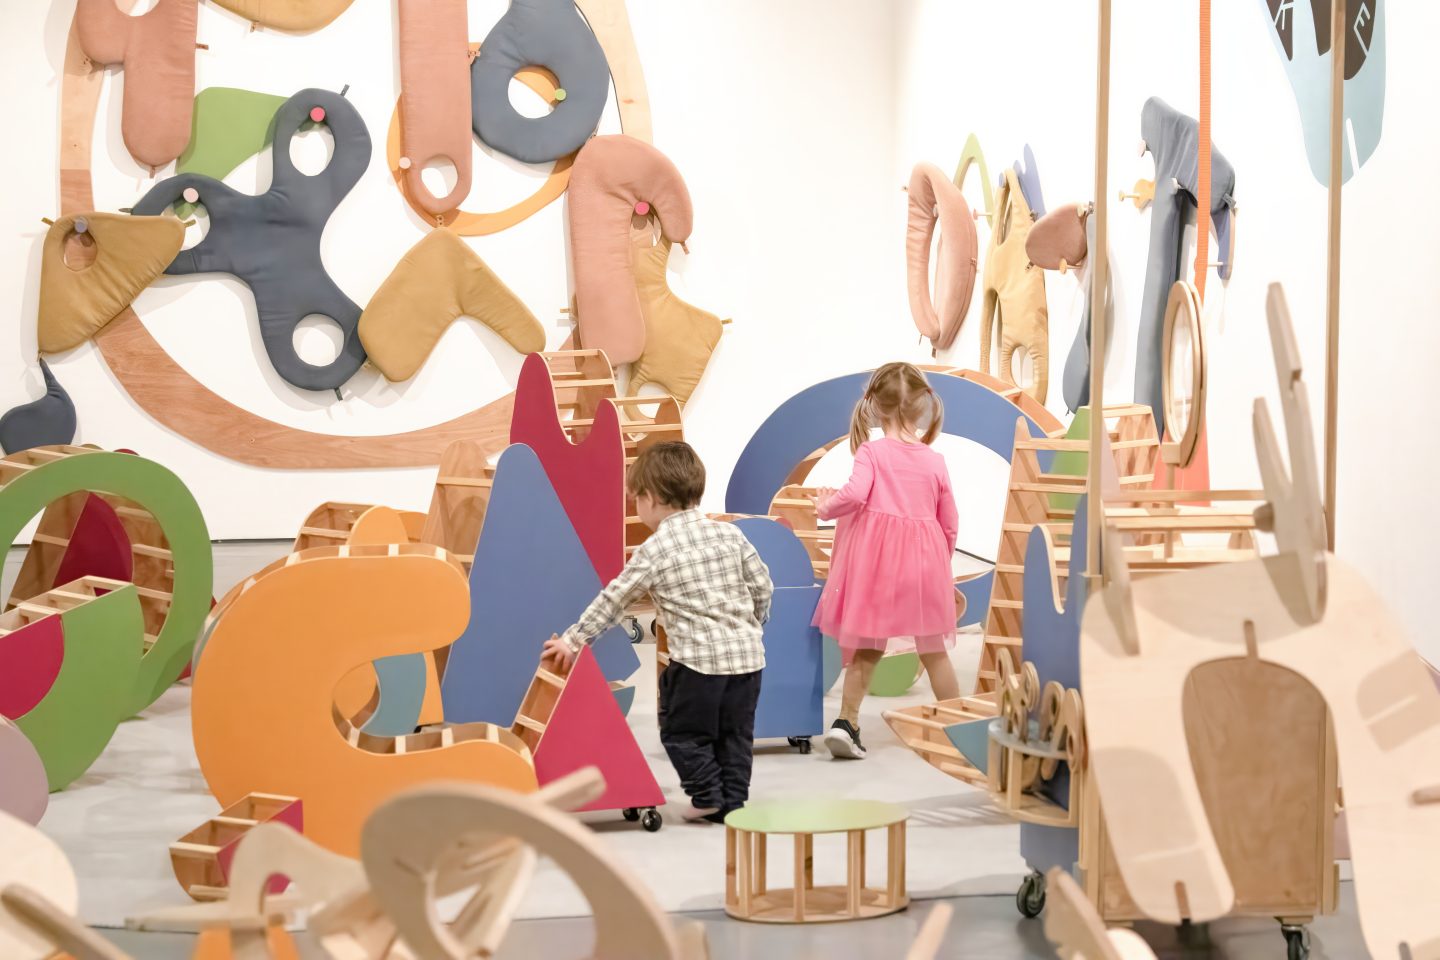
(137, 8)
(318, 340)
(311, 148)
(527, 102)
(439, 176)
(79, 250)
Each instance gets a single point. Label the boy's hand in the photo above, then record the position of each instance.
(558, 652)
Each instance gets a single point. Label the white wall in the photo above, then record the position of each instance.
(778, 115)
(1029, 76)
(795, 125)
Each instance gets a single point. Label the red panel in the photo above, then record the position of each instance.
(587, 729)
(29, 662)
(99, 546)
(589, 477)
(293, 817)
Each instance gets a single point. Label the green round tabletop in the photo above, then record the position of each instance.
(816, 816)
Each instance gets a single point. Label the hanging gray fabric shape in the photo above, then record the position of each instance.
(272, 241)
(1075, 383)
(549, 34)
(1173, 139)
(40, 423)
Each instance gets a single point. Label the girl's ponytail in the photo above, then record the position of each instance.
(861, 420)
(937, 416)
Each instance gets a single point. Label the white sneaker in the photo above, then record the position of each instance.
(843, 741)
(691, 813)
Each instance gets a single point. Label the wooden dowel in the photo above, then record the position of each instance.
(1338, 35)
(1099, 268)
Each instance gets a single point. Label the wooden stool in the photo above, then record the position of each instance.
(746, 833)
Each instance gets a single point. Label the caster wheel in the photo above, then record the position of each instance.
(630, 814)
(632, 628)
(801, 744)
(1297, 943)
(1030, 898)
(651, 821)
(653, 625)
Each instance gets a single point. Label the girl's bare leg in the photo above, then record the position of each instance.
(857, 683)
(942, 675)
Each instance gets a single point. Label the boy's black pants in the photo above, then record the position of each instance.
(707, 725)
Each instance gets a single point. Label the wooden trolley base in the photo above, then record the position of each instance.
(747, 897)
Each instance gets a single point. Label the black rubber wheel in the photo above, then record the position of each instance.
(633, 628)
(1030, 898)
(651, 821)
(1297, 943)
(800, 743)
(653, 625)
(630, 814)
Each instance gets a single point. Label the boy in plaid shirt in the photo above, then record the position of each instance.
(712, 594)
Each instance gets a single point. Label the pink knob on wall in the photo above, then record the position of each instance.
(642, 208)
(317, 114)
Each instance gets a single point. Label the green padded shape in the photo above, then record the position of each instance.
(816, 816)
(94, 688)
(1071, 463)
(895, 674)
(156, 489)
(230, 126)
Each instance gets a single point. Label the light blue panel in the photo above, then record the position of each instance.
(972, 739)
(625, 697)
(832, 664)
(1293, 29)
(531, 578)
(402, 691)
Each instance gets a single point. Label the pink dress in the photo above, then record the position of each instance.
(890, 570)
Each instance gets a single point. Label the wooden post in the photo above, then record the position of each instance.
(1099, 267)
(1338, 33)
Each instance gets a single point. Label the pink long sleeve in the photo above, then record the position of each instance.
(856, 491)
(946, 513)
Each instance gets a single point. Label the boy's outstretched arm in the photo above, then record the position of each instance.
(604, 611)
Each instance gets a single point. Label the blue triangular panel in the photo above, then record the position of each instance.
(972, 739)
(531, 578)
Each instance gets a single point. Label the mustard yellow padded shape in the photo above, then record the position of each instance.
(438, 281)
(679, 337)
(129, 253)
(294, 15)
(1014, 291)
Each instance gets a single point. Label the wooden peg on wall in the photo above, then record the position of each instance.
(1142, 194)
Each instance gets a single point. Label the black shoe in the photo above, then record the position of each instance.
(843, 741)
(719, 815)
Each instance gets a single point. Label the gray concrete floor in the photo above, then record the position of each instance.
(982, 928)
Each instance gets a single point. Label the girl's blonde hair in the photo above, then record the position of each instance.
(899, 394)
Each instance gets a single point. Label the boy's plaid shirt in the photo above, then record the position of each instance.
(710, 587)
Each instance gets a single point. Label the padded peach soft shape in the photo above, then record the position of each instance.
(1058, 237)
(130, 252)
(437, 282)
(934, 198)
(435, 96)
(611, 175)
(157, 50)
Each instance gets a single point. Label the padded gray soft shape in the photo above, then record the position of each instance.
(549, 34)
(1174, 141)
(272, 241)
(1075, 384)
(40, 423)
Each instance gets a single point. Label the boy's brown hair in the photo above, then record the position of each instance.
(670, 472)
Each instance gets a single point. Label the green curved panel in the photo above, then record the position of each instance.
(94, 688)
(159, 491)
(229, 126)
(1072, 463)
(895, 674)
(971, 153)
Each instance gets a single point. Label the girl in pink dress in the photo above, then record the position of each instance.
(890, 569)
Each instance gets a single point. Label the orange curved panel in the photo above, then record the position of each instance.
(263, 714)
